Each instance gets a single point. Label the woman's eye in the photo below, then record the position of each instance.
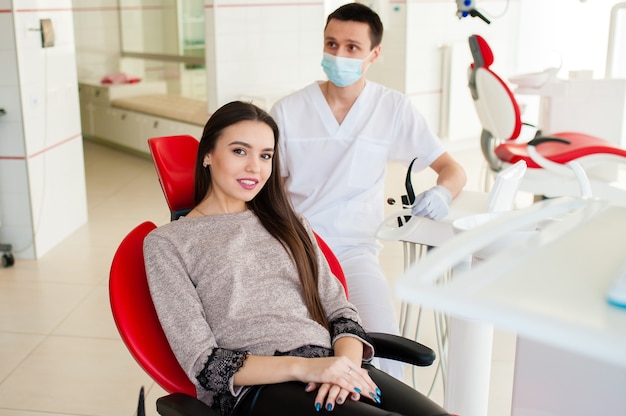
(266, 156)
(239, 151)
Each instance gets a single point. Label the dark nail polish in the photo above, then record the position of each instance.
(329, 407)
(339, 400)
(358, 390)
(378, 391)
(318, 407)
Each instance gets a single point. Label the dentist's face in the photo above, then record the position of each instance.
(349, 39)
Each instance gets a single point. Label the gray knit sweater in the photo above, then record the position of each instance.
(223, 288)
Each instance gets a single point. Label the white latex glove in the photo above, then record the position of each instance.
(433, 203)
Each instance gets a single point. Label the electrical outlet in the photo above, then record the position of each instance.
(47, 33)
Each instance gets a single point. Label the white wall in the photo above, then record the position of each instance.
(572, 30)
(42, 183)
(260, 48)
(15, 213)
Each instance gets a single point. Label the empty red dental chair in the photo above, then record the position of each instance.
(500, 116)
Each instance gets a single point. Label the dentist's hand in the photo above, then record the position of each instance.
(433, 203)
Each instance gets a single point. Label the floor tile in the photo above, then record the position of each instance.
(37, 307)
(91, 318)
(14, 412)
(15, 348)
(151, 395)
(78, 376)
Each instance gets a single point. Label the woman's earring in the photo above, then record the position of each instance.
(205, 164)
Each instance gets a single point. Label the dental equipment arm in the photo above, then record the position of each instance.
(466, 8)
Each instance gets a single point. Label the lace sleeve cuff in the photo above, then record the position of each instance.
(219, 370)
(342, 327)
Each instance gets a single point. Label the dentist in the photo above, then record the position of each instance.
(338, 136)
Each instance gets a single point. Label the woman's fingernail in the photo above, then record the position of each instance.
(339, 400)
(358, 390)
(318, 407)
(375, 397)
(355, 396)
(378, 391)
(329, 407)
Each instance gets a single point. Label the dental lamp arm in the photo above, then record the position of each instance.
(466, 8)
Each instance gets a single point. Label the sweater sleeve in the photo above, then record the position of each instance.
(183, 319)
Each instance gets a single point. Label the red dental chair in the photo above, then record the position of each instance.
(136, 318)
(174, 158)
(545, 156)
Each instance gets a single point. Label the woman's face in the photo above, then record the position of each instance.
(241, 162)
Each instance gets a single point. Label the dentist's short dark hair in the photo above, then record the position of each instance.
(358, 12)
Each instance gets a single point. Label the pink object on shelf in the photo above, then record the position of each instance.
(120, 78)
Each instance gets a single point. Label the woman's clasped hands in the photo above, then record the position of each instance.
(337, 379)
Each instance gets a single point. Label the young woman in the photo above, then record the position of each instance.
(246, 298)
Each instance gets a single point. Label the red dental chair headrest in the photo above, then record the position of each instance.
(481, 52)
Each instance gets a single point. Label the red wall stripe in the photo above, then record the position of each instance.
(62, 142)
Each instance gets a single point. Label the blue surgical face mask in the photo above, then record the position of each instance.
(342, 71)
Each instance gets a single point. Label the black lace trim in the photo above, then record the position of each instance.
(307, 351)
(222, 364)
(348, 326)
(220, 367)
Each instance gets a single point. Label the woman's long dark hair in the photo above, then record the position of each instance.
(271, 204)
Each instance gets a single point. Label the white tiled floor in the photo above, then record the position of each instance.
(60, 353)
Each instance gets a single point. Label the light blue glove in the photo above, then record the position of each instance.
(433, 203)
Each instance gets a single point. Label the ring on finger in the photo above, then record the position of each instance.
(350, 370)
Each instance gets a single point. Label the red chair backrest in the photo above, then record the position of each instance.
(495, 103)
(137, 320)
(333, 262)
(481, 51)
(174, 158)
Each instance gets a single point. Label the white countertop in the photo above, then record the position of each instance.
(551, 289)
(422, 230)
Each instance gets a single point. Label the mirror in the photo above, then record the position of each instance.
(163, 29)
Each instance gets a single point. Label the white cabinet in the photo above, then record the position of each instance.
(125, 128)
(117, 126)
(147, 126)
(157, 127)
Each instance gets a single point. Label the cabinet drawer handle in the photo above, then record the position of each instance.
(156, 124)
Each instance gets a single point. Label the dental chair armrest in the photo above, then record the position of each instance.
(402, 349)
(180, 404)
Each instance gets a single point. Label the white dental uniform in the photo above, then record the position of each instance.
(335, 176)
